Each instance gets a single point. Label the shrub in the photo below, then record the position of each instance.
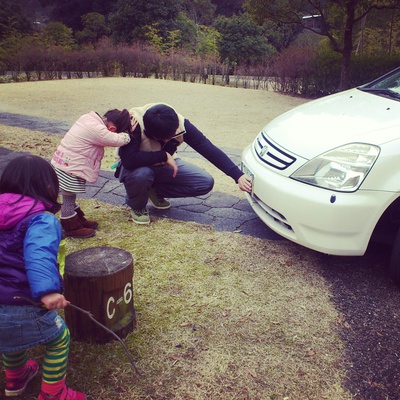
(294, 68)
(367, 68)
(5, 79)
(315, 71)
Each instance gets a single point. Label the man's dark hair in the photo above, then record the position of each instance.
(160, 122)
(121, 119)
(32, 176)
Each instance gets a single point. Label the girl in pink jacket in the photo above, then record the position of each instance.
(78, 158)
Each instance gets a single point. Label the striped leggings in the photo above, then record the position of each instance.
(55, 359)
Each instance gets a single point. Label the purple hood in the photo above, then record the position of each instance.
(13, 210)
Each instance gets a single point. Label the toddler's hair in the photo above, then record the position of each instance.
(160, 122)
(121, 119)
(32, 176)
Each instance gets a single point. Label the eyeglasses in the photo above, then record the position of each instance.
(170, 138)
(177, 135)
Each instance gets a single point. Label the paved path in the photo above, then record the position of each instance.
(224, 212)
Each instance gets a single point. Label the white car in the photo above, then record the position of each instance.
(326, 174)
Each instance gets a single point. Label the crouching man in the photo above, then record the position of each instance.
(149, 170)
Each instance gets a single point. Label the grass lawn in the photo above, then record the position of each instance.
(220, 315)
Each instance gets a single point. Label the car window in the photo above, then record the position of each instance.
(387, 86)
(392, 83)
(389, 82)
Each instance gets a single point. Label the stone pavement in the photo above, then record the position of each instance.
(223, 212)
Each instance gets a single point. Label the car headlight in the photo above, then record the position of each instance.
(342, 169)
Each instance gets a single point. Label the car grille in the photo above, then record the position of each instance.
(272, 155)
(273, 214)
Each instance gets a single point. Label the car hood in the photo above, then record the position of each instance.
(346, 117)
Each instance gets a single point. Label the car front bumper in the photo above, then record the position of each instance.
(330, 222)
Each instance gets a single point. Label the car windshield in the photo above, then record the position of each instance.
(387, 86)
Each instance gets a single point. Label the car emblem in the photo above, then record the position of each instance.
(263, 151)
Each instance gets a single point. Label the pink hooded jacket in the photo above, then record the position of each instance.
(82, 148)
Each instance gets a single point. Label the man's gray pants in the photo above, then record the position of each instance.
(190, 181)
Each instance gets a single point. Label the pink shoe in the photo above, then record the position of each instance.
(65, 394)
(17, 387)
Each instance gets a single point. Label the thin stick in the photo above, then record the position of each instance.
(90, 315)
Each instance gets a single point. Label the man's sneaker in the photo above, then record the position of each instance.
(140, 217)
(158, 201)
(17, 387)
(65, 394)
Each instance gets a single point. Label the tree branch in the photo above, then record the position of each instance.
(89, 314)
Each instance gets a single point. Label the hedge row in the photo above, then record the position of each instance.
(299, 70)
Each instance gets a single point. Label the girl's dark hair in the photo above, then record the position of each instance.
(121, 119)
(160, 122)
(32, 176)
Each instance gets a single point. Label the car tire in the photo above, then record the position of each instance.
(394, 265)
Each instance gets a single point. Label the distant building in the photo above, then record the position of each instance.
(312, 22)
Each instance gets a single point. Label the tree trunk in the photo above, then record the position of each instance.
(345, 81)
(391, 34)
(347, 46)
(99, 280)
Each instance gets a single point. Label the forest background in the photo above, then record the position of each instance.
(302, 47)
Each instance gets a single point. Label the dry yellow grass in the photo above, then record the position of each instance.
(230, 117)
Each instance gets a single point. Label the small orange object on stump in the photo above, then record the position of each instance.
(99, 280)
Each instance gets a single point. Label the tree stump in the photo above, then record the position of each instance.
(99, 280)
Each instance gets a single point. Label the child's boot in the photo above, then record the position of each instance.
(86, 223)
(65, 394)
(15, 387)
(73, 228)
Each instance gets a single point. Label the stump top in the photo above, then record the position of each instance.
(97, 261)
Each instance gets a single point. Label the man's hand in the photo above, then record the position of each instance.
(244, 183)
(54, 301)
(171, 162)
